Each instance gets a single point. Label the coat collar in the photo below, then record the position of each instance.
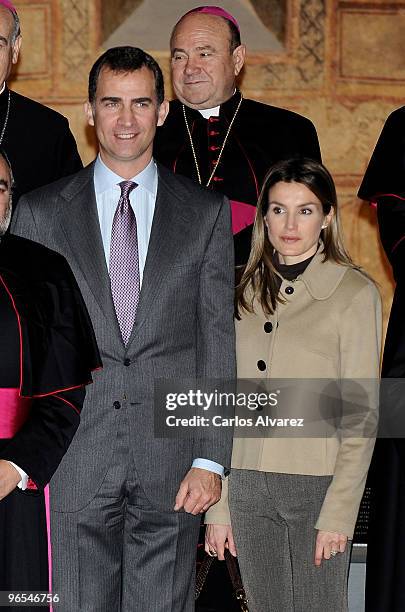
(322, 278)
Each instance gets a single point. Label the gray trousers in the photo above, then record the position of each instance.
(119, 553)
(273, 517)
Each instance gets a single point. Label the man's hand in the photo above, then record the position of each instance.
(217, 538)
(9, 478)
(199, 490)
(329, 544)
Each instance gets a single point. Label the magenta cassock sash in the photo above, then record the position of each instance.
(14, 411)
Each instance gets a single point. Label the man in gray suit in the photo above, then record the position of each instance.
(153, 257)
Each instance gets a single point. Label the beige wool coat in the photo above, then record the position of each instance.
(328, 327)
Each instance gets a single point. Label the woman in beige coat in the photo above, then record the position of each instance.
(305, 311)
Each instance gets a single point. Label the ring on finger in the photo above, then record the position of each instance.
(334, 553)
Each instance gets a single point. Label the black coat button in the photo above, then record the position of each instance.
(117, 405)
(261, 365)
(127, 362)
(289, 290)
(268, 327)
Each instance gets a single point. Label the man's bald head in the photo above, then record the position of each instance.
(216, 11)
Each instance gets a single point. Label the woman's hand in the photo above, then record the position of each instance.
(329, 544)
(217, 538)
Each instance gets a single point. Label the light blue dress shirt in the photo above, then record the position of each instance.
(142, 200)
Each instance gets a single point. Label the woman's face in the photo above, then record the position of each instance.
(294, 221)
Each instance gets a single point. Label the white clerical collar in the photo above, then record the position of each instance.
(210, 112)
(3, 88)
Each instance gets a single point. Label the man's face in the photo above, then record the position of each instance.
(8, 51)
(125, 114)
(5, 196)
(203, 68)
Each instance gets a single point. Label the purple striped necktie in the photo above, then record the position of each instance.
(124, 262)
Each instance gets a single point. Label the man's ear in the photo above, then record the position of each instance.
(88, 110)
(239, 55)
(163, 112)
(16, 49)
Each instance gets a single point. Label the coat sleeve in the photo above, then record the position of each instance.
(218, 514)
(360, 344)
(386, 169)
(384, 185)
(40, 444)
(308, 143)
(391, 222)
(215, 327)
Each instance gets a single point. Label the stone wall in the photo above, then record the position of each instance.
(113, 13)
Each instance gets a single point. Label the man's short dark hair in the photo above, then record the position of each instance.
(126, 59)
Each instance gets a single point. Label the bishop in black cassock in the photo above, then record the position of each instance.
(211, 130)
(39, 144)
(47, 353)
(384, 185)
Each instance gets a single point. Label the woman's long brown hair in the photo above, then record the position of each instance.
(259, 278)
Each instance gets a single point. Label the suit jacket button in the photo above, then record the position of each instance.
(117, 405)
(289, 290)
(127, 362)
(261, 365)
(268, 327)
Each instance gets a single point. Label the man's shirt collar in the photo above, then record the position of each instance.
(105, 178)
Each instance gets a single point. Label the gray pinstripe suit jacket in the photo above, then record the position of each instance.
(183, 328)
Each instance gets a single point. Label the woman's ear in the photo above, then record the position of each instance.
(328, 218)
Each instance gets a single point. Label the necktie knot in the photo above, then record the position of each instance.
(126, 188)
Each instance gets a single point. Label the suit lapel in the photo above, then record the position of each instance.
(169, 220)
(81, 228)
